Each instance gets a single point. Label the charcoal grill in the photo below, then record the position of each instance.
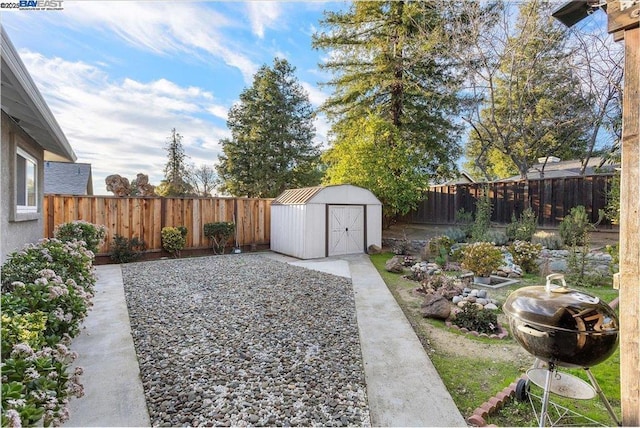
(562, 327)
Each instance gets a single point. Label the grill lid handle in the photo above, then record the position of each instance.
(556, 288)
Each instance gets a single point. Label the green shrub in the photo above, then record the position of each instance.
(575, 227)
(475, 319)
(46, 293)
(464, 220)
(455, 234)
(614, 252)
(482, 221)
(26, 328)
(525, 254)
(125, 250)
(69, 260)
(438, 249)
(173, 240)
(550, 241)
(498, 237)
(481, 258)
(220, 234)
(523, 228)
(93, 235)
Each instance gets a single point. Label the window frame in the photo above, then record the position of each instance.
(31, 164)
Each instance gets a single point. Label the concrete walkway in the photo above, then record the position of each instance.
(113, 393)
(403, 387)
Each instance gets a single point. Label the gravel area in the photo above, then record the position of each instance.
(243, 340)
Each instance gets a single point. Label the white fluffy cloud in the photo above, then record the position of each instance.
(263, 14)
(121, 127)
(168, 28)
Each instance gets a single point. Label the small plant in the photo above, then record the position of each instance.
(475, 319)
(436, 282)
(482, 221)
(482, 258)
(437, 247)
(575, 227)
(173, 240)
(93, 235)
(219, 233)
(523, 228)
(455, 234)
(498, 237)
(525, 255)
(550, 241)
(125, 250)
(464, 220)
(614, 252)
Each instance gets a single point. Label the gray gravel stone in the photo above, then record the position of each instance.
(241, 340)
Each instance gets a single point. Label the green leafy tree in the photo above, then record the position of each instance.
(529, 99)
(373, 155)
(175, 181)
(392, 59)
(271, 146)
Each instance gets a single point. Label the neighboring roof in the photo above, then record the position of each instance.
(296, 196)
(570, 168)
(22, 101)
(463, 178)
(332, 194)
(67, 178)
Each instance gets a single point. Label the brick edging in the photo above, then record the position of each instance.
(495, 403)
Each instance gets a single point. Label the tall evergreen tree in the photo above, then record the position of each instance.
(391, 58)
(271, 146)
(175, 181)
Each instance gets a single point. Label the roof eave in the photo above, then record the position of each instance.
(30, 111)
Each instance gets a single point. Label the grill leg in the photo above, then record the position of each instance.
(545, 396)
(596, 386)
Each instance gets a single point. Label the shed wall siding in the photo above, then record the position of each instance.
(374, 225)
(315, 234)
(288, 229)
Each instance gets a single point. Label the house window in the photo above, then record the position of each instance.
(26, 182)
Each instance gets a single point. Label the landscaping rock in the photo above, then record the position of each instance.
(243, 340)
(394, 265)
(374, 249)
(436, 306)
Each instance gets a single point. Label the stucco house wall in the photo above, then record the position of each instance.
(18, 228)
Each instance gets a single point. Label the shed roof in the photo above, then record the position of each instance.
(297, 196)
(332, 194)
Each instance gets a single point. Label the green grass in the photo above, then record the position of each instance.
(472, 381)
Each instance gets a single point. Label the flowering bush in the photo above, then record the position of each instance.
(173, 239)
(69, 260)
(525, 255)
(473, 318)
(481, 258)
(36, 385)
(46, 292)
(93, 235)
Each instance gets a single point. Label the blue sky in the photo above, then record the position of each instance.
(119, 75)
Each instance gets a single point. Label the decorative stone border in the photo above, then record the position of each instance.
(502, 332)
(477, 419)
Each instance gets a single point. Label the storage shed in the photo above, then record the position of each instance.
(325, 221)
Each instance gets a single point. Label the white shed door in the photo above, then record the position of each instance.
(346, 229)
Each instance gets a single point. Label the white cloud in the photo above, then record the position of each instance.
(316, 96)
(166, 28)
(263, 14)
(121, 127)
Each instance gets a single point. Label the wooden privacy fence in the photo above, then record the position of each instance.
(144, 217)
(551, 199)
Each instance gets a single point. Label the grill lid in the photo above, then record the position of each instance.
(561, 308)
